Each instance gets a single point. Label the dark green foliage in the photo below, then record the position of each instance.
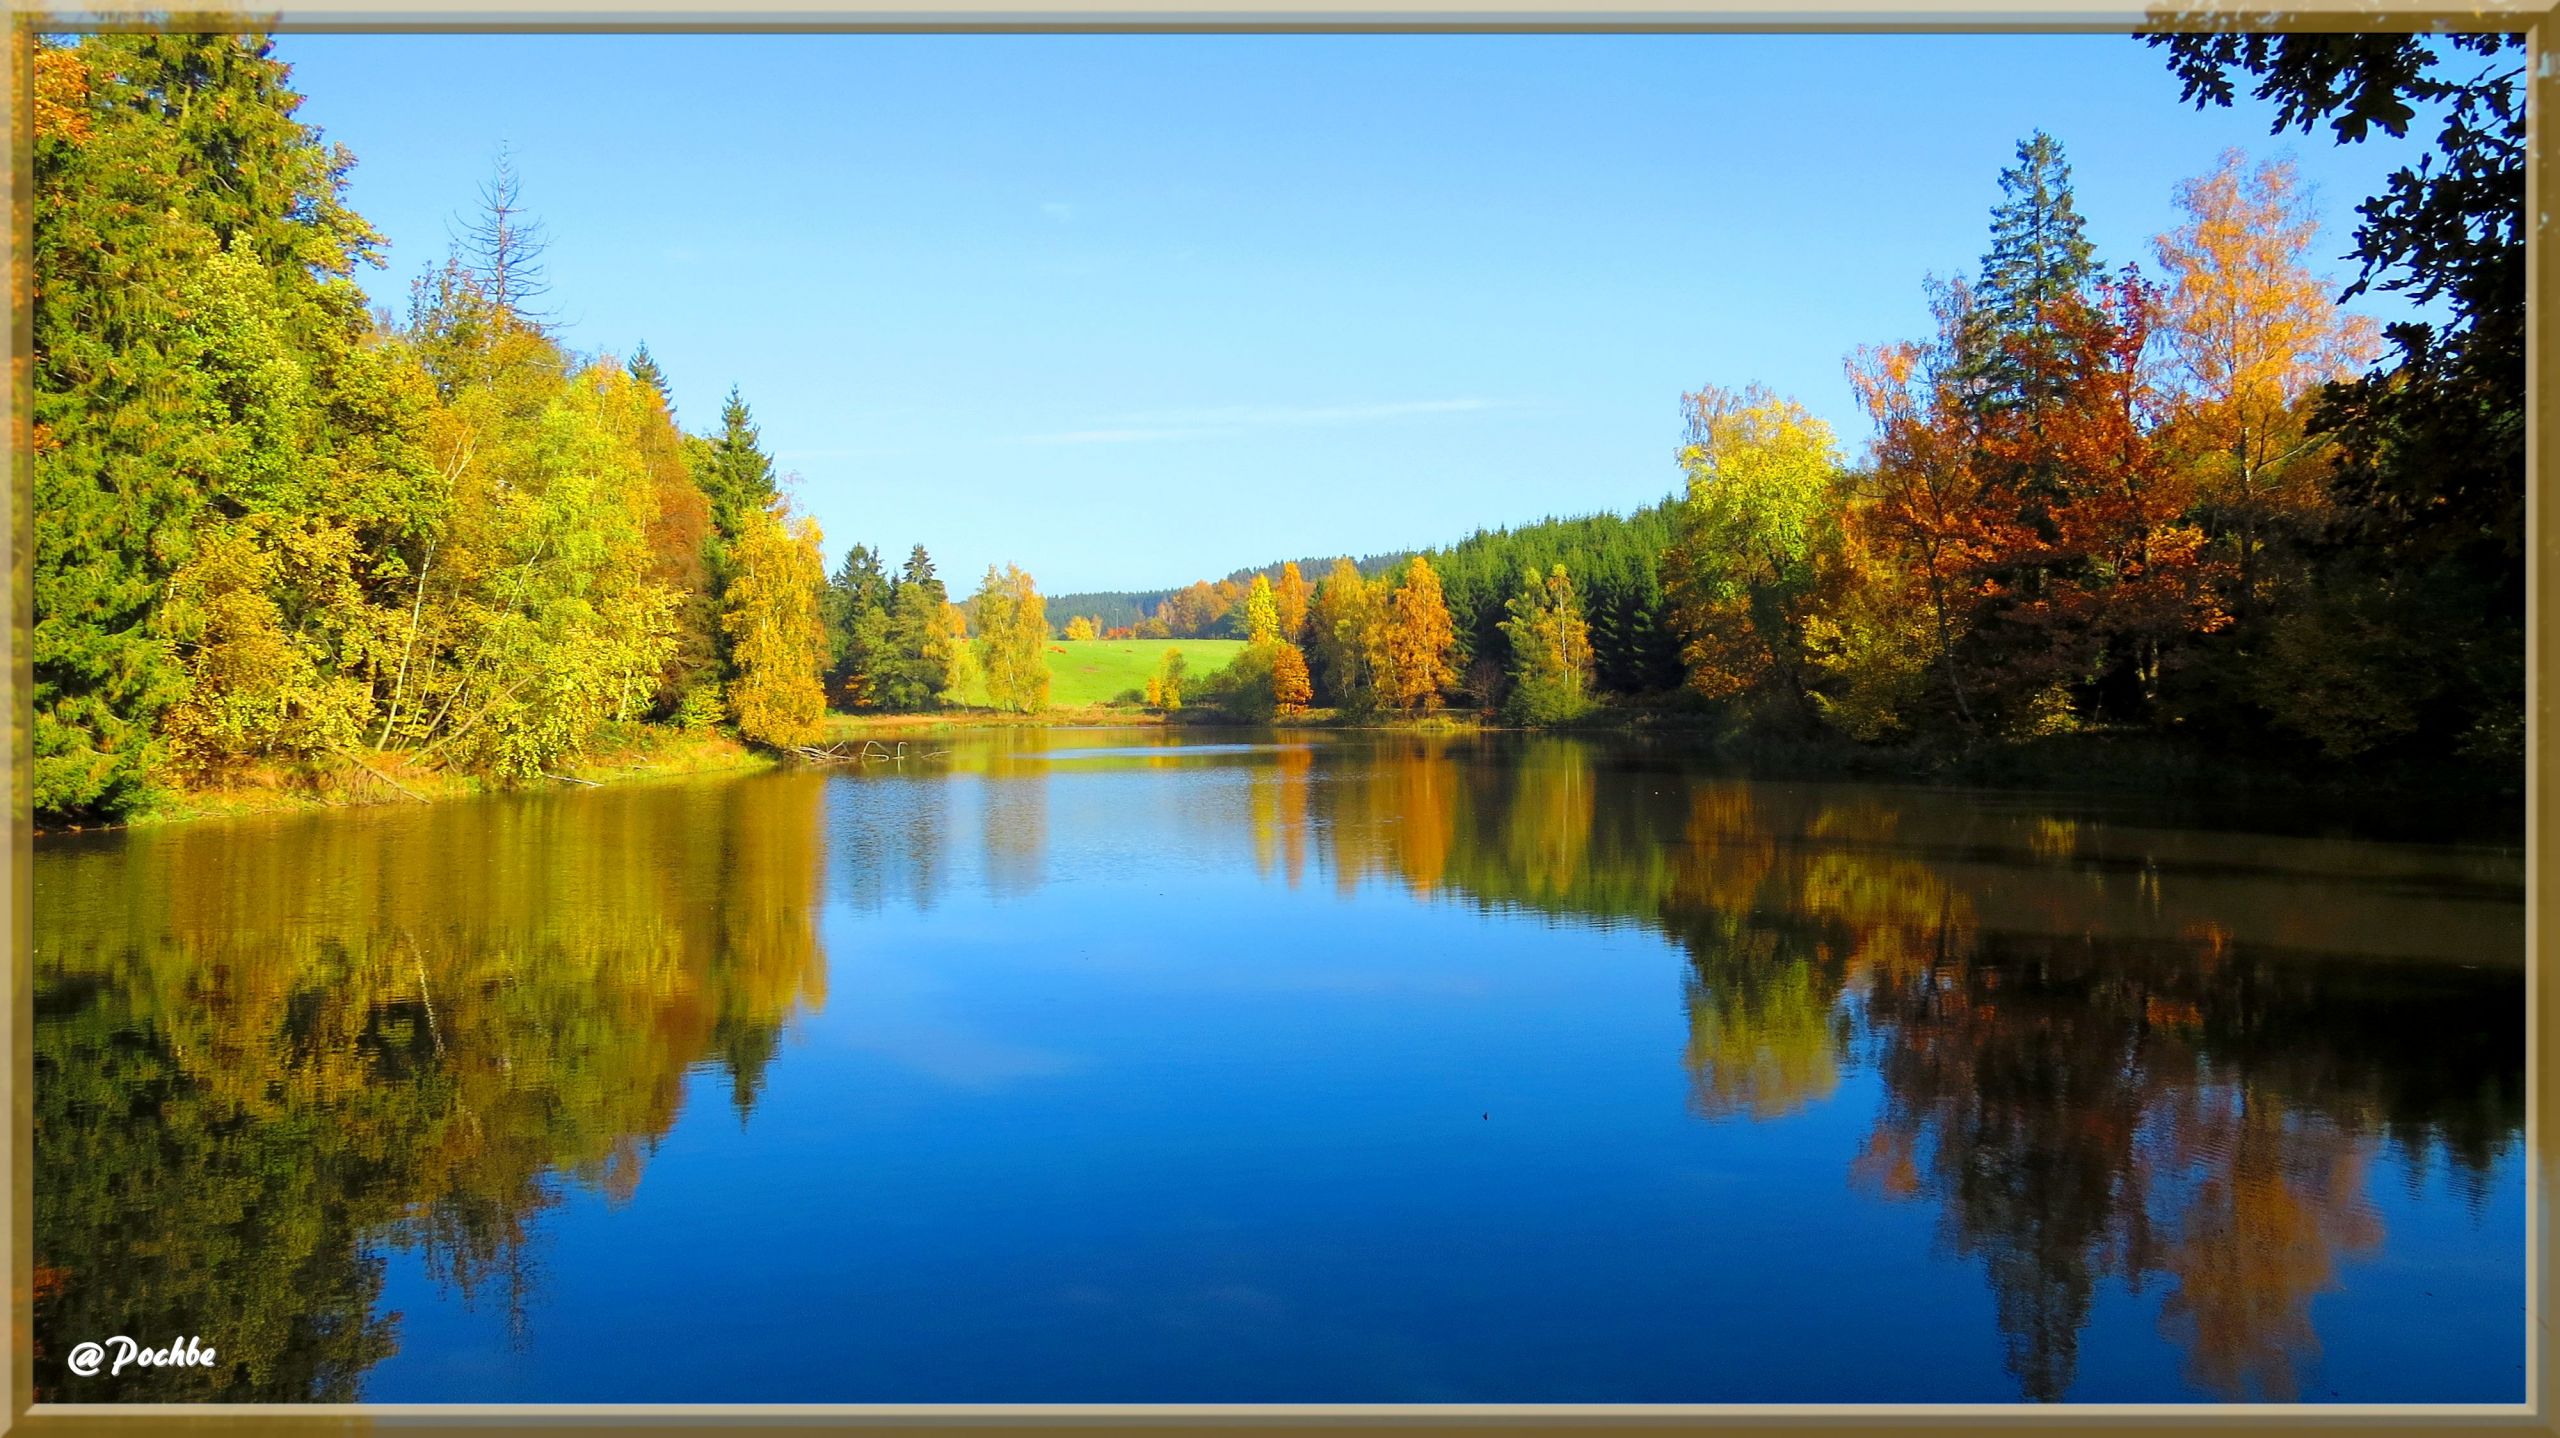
(193, 254)
(916, 666)
(734, 470)
(1616, 565)
(2040, 259)
(736, 475)
(1115, 608)
(857, 617)
(644, 368)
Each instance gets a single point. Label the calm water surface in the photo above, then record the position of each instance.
(1108, 1066)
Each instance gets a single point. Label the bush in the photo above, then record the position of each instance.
(1548, 699)
(700, 710)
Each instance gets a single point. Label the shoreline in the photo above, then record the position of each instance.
(381, 780)
(2095, 761)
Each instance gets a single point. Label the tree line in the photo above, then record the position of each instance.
(278, 528)
(281, 530)
(2199, 499)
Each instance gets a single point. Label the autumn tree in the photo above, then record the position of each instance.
(1164, 687)
(2254, 333)
(2415, 629)
(1763, 492)
(1195, 611)
(1416, 655)
(679, 524)
(1550, 651)
(2121, 572)
(777, 640)
(1291, 687)
(1013, 635)
(1079, 628)
(537, 614)
(1261, 614)
(1929, 504)
(1340, 621)
(962, 665)
(1291, 595)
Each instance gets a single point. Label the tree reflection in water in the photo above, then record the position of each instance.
(2155, 1056)
(262, 1057)
(2162, 1057)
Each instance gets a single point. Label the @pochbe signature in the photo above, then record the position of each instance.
(87, 1358)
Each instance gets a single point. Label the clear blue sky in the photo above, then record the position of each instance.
(1133, 310)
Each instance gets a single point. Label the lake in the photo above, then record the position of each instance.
(1159, 1066)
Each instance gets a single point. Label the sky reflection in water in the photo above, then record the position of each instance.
(1102, 1066)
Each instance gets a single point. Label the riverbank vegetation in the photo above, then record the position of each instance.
(287, 537)
(2200, 504)
(281, 534)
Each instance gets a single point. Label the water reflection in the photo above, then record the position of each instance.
(265, 1052)
(2108, 1050)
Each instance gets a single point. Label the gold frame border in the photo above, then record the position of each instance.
(2535, 17)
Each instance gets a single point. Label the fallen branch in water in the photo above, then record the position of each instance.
(565, 779)
(387, 779)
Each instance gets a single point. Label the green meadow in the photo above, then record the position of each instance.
(1097, 671)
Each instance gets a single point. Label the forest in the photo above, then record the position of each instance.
(2184, 495)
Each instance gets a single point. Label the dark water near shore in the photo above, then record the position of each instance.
(1114, 1066)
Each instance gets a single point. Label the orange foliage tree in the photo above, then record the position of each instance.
(2253, 333)
(1420, 647)
(1930, 502)
(1291, 689)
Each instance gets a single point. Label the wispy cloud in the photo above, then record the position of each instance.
(1236, 419)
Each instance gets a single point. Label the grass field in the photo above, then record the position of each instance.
(1097, 671)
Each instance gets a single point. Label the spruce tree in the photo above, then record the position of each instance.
(857, 628)
(2040, 260)
(917, 666)
(644, 368)
(184, 224)
(733, 469)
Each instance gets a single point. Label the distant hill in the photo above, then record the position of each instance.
(1119, 607)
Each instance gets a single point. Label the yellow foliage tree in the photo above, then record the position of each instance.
(1762, 479)
(1340, 623)
(1080, 628)
(777, 640)
(1291, 595)
(1164, 687)
(2253, 333)
(951, 640)
(1261, 614)
(1013, 629)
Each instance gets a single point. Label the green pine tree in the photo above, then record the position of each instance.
(196, 314)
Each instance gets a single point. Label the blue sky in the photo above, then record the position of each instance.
(1133, 310)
